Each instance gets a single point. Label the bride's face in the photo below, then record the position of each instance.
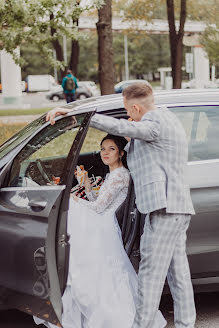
(110, 153)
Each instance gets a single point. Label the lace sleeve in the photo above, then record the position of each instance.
(115, 183)
(91, 195)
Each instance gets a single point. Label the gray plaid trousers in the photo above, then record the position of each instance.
(163, 253)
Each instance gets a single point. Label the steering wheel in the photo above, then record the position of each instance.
(42, 169)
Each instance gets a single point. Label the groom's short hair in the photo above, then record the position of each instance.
(138, 90)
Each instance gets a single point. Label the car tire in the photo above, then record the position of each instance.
(55, 98)
(82, 96)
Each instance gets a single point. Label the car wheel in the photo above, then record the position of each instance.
(82, 96)
(55, 98)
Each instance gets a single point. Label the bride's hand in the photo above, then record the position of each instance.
(75, 198)
(87, 183)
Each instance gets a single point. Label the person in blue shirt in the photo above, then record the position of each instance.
(69, 85)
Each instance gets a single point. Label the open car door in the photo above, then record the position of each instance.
(34, 199)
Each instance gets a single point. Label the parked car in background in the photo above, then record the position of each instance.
(36, 176)
(85, 90)
(42, 82)
(124, 84)
(91, 86)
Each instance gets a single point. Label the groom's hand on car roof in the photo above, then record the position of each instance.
(55, 112)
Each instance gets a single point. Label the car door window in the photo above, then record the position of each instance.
(42, 160)
(92, 141)
(201, 124)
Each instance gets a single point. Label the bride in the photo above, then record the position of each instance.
(101, 290)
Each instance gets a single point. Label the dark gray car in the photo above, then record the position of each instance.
(82, 92)
(37, 174)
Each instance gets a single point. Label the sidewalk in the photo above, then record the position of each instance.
(18, 119)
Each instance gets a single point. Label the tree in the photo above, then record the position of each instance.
(176, 41)
(33, 62)
(210, 41)
(210, 38)
(74, 57)
(40, 22)
(145, 52)
(105, 48)
(172, 10)
(148, 10)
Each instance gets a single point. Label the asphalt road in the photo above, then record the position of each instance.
(33, 100)
(207, 313)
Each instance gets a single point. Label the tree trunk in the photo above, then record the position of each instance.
(105, 48)
(176, 41)
(57, 46)
(74, 58)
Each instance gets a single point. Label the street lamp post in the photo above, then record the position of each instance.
(126, 57)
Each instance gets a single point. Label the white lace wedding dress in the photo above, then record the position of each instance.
(101, 290)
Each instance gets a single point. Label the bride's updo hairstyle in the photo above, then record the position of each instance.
(120, 143)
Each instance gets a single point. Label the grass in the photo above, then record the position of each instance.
(6, 130)
(155, 83)
(16, 112)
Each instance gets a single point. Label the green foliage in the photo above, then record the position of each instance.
(88, 66)
(208, 11)
(34, 61)
(146, 53)
(210, 40)
(156, 9)
(30, 22)
(203, 10)
(17, 112)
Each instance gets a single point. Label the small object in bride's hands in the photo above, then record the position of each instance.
(95, 181)
(55, 180)
(96, 184)
(80, 173)
(130, 119)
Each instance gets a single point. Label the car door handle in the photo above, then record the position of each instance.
(37, 205)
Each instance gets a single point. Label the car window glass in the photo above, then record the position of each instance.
(201, 124)
(187, 119)
(21, 135)
(92, 141)
(202, 127)
(42, 160)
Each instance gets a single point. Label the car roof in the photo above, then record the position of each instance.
(113, 104)
(164, 97)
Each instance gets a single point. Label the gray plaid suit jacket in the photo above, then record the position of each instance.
(157, 159)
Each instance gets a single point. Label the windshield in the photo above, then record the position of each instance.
(21, 135)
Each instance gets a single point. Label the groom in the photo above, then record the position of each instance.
(157, 160)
